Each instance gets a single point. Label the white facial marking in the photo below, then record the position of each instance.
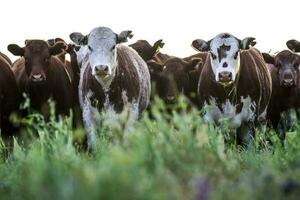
(101, 51)
(232, 59)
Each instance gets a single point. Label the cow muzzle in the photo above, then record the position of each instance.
(288, 82)
(170, 99)
(225, 77)
(38, 78)
(101, 70)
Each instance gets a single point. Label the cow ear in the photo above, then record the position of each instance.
(57, 48)
(293, 45)
(268, 58)
(247, 42)
(122, 37)
(154, 67)
(158, 45)
(51, 42)
(15, 50)
(192, 64)
(200, 45)
(79, 38)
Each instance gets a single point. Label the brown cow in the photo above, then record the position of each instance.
(113, 78)
(148, 52)
(234, 83)
(41, 75)
(6, 58)
(73, 70)
(285, 99)
(9, 97)
(176, 76)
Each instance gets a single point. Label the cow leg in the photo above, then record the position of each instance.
(246, 134)
(89, 115)
(287, 121)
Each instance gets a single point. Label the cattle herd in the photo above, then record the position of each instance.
(228, 79)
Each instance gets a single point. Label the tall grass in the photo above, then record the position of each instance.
(175, 156)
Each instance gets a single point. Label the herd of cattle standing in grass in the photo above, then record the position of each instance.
(228, 77)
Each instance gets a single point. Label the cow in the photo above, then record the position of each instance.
(10, 98)
(6, 58)
(176, 76)
(73, 70)
(41, 75)
(113, 78)
(145, 50)
(285, 99)
(234, 86)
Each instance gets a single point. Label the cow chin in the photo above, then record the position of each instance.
(225, 77)
(104, 80)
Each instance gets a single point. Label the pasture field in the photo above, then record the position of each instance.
(176, 156)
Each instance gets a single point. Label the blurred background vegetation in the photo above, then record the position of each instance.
(170, 155)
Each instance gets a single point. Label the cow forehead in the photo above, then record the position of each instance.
(101, 35)
(224, 40)
(37, 46)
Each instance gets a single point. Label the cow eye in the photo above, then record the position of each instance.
(296, 66)
(90, 48)
(236, 55)
(213, 56)
(113, 47)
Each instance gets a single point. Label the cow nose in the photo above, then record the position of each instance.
(225, 76)
(37, 78)
(170, 99)
(101, 70)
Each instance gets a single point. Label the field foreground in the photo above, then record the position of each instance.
(176, 156)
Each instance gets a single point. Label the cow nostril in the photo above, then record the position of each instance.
(225, 65)
(106, 68)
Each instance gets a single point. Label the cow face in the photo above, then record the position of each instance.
(100, 51)
(37, 54)
(224, 50)
(287, 65)
(171, 78)
(145, 50)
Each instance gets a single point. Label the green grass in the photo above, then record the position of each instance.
(176, 156)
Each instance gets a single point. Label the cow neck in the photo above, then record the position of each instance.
(231, 89)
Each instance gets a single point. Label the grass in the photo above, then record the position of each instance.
(176, 156)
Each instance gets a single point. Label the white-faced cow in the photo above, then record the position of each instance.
(235, 83)
(41, 75)
(113, 77)
(285, 99)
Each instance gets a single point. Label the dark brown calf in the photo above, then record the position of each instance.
(42, 75)
(284, 69)
(9, 97)
(176, 76)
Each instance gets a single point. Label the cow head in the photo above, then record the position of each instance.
(224, 50)
(37, 55)
(287, 64)
(100, 51)
(62, 55)
(171, 78)
(145, 50)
